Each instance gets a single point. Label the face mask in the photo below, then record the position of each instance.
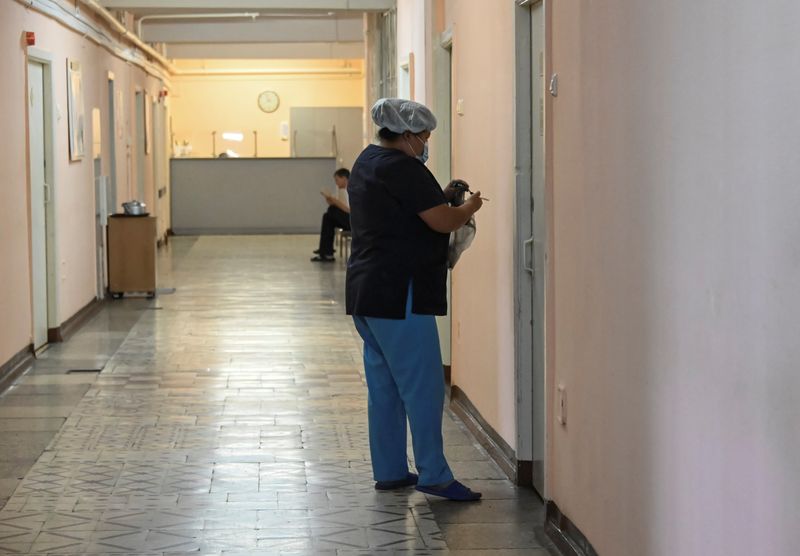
(421, 157)
(424, 156)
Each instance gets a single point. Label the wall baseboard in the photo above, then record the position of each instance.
(566, 536)
(520, 472)
(12, 369)
(72, 324)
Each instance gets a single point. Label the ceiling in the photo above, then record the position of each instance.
(152, 7)
(280, 28)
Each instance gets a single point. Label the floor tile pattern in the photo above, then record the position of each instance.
(230, 418)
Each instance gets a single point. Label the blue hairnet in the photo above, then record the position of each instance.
(399, 115)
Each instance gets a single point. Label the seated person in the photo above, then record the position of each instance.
(337, 216)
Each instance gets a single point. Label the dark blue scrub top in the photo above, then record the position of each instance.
(391, 244)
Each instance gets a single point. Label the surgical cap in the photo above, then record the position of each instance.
(399, 115)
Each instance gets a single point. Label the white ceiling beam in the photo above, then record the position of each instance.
(265, 51)
(259, 30)
(284, 5)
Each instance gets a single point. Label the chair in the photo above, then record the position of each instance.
(342, 238)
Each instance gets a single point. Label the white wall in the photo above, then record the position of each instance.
(411, 33)
(677, 275)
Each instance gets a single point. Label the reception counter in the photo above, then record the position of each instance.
(249, 195)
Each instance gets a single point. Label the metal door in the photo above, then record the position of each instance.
(539, 237)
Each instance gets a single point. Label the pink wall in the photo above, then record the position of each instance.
(483, 294)
(74, 181)
(15, 301)
(676, 276)
(482, 313)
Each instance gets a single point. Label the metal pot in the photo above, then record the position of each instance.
(134, 208)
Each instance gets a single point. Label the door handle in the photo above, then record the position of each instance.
(47, 196)
(525, 244)
(554, 85)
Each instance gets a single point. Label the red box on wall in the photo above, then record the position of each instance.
(30, 38)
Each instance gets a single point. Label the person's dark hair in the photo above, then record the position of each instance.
(388, 135)
(342, 173)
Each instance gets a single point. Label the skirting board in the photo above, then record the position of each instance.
(72, 324)
(520, 472)
(566, 536)
(12, 369)
(243, 231)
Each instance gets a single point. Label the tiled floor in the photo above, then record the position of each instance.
(229, 418)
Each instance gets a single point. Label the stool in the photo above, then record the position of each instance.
(346, 241)
(342, 238)
(338, 239)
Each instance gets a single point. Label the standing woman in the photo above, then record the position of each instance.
(396, 283)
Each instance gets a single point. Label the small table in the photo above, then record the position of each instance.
(131, 255)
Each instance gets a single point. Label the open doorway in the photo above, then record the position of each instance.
(532, 241)
(42, 211)
(101, 203)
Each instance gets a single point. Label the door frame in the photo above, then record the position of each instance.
(111, 92)
(46, 59)
(140, 143)
(537, 476)
(442, 158)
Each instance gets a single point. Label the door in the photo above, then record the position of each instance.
(159, 150)
(539, 236)
(39, 199)
(140, 145)
(111, 198)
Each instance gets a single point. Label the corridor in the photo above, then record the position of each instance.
(230, 418)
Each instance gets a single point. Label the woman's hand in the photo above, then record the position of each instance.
(474, 202)
(445, 219)
(453, 188)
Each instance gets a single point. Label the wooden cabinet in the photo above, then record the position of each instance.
(131, 254)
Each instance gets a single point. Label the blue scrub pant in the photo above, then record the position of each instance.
(405, 379)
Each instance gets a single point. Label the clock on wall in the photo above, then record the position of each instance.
(268, 101)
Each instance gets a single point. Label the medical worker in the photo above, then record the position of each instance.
(396, 283)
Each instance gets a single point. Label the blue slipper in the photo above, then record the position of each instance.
(453, 491)
(410, 480)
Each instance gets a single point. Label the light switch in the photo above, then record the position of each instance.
(460, 107)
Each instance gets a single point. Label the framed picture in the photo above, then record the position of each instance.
(76, 116)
